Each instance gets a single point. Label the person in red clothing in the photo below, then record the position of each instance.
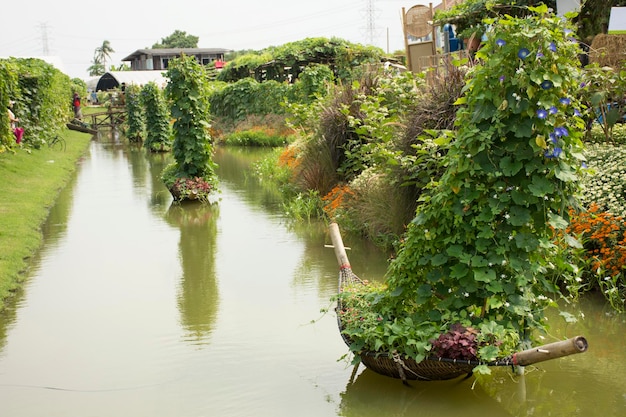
(17, 131)
(76, 105)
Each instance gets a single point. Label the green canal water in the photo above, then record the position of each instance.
(136, 307)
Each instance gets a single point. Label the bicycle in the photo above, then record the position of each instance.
(57, 142)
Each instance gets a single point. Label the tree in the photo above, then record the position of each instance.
(178, 39)
(594, 17)
(102, 53)
(96, 69)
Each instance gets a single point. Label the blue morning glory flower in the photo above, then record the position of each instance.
(560, 131)
(523, 53)
(554, 153)
(540, 54)
(500, 42)
(565, 101)
(542, 114)
(577, 113)
(552, 47)
(547, 84)
(553, 110)
(553, 138)
(584, 165)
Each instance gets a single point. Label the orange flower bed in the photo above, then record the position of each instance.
(335, 199)
(604, 238)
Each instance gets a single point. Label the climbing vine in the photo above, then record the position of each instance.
(478, 252)
(187, 91)
(157, 115)
(135, 121)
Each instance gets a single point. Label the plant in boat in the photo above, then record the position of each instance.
(479, 252)
(187, 91)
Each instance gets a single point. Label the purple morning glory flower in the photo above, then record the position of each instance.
(523, 53)
(553, 110)
(542, 114)
(553, 138)
(584, 165)
(500, 42)
(560, 131)
(577, 113)
(552, 47)
(554, 153)
(565, 101)
(547, 84)
(583, 84)
(502, 78)
(540, 54)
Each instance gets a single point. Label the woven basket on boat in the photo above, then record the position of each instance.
(397, 365)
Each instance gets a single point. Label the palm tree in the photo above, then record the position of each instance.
(102, 53)
(96, 69)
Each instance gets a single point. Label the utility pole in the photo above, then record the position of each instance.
(370, 13)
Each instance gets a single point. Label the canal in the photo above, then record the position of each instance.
(138, 307)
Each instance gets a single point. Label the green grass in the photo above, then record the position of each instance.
(30, 182)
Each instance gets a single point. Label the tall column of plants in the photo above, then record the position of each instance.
(45, 94)
(157, 116)
(8, 86)
(192, 175)
(135, 123)
(480, 249)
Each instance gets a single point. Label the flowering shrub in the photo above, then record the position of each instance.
(604, 239)
(191, 188)
(334, 200)
(606, 185)
(480, 247)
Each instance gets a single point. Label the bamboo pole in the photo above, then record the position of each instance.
(340, 249)
(554, 350)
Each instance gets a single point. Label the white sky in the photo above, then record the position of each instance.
(75, 29)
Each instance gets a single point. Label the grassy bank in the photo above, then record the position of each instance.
(30, 182)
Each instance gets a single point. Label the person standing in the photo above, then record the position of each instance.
(17, 131)
(78, 114)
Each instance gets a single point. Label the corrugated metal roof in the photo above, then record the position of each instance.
(114, 79)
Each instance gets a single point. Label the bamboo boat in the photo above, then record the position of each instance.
(397, 365)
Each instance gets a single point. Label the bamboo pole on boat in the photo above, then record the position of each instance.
(554, 350)
(340, 250)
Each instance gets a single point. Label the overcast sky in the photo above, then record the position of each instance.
(73, 30)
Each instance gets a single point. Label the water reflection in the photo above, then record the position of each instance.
(198, 292)
(53, 230)
(588, 384)
(375, 395)
(197, 298)
(235, 167)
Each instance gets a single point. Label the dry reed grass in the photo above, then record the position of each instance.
(608, 50)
